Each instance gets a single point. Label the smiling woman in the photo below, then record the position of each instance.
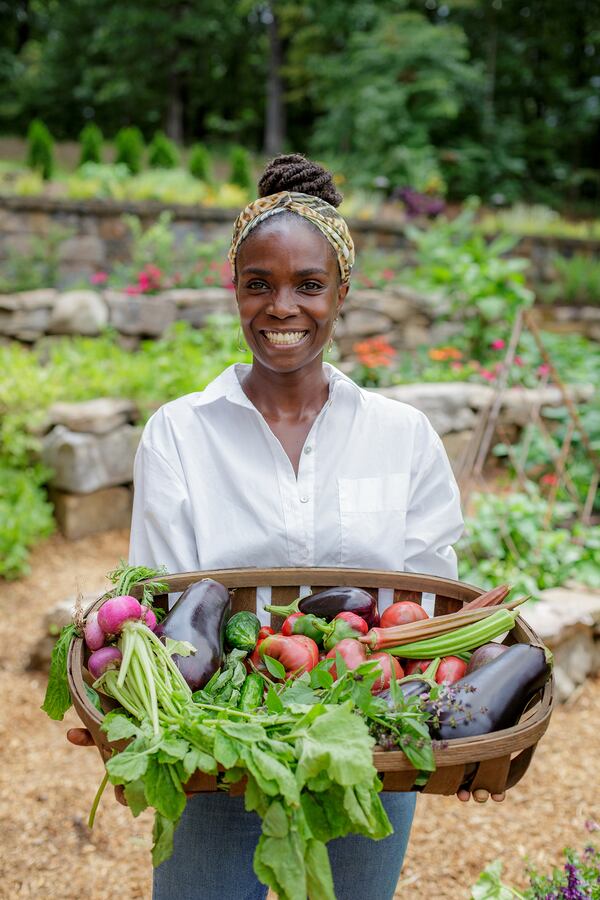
(287, 462)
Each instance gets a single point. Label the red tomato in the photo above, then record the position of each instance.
(390, 668)
(402, 613)
(297, 653)
(416, 665)
(450, 670)
(352, 652)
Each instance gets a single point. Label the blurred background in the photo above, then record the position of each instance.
(465, 137)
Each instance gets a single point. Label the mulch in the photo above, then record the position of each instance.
(47, 785)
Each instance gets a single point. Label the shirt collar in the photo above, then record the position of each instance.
(227, 386)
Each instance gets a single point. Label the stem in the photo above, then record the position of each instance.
(284, 611)
(127, 644)
(147, 667)
(123, 697)
(99, 793)
(159, 650)
(142, 688)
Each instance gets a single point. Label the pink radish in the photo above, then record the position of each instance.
(113, 614)
(93, 634)
(103, 659)
(148, 617)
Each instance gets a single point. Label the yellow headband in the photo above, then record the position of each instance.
(319, 212)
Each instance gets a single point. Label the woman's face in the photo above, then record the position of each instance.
(288, 293)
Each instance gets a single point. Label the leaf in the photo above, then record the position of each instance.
(127, 766)
(226, 750)
(279, 863)
(276, 823)
(248, 732)
(319, 678)
(272, 775)
(273, 701)
(172, 748)
(274, 667)
(135, 796)
(196, 759)
(58, 699)
(298, 693)
(162, 836)
(364, 808)
(182, 648)
(489, 886)
(118, 727)
(339, 742)
(93, 697)
(319, 879)
(162, 789)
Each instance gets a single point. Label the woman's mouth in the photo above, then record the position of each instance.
(285, 338)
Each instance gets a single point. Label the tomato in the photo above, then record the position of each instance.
(264, 632)
(413, 666)
(390, 668)
(297, 653)
(352, 652)
(450, 670)
(402, 613)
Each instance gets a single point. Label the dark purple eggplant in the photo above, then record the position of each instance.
(327, 604)
(494, 696)
(199, 616)
(413, 688)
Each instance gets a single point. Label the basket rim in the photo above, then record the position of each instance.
(459, 750)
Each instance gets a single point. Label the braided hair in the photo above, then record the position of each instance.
(293, 172)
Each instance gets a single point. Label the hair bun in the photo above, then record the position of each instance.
(293, 172)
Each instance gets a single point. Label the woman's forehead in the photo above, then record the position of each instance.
(288, 235)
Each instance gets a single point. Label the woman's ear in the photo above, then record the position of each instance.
(342, 292)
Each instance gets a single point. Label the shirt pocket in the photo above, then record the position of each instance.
(373, 521)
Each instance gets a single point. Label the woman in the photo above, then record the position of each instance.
(287, 462)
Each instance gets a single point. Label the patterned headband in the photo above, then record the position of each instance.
(319, 212)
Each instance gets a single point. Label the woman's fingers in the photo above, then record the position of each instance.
(464, 795)
(80, 737)
(499, 797)
(120, 794)
(480, 796)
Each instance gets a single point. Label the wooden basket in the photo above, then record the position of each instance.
(494, 762)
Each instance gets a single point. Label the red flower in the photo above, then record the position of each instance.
(99, 278)
(375, 351)
(549, 478)
(498, 344)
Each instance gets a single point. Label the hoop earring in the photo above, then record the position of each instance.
(330, 344)
(241, 345)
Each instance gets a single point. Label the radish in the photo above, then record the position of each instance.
(113, 614)
(104, 659)
(149, 618)
(93, 633)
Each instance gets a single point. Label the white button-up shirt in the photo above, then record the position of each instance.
(214, 487)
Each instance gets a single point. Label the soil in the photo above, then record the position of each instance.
(47, 785)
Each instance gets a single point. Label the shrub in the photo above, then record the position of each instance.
(200, 163)
(90, 138)
(241, 170)
(162, 153)
(40, 149)
(130, 148)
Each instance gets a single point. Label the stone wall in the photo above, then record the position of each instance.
(100, 237)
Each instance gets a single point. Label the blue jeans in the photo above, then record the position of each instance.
(216, 838)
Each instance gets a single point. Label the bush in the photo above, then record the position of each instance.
(40, 149)
(90, 138)
(25, 517)
(200, 163)
(162, 153)
(241, 169)
(130, 148)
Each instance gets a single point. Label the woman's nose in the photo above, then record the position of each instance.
(283, 303)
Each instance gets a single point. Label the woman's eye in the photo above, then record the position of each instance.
(312, 286)
(256, 285)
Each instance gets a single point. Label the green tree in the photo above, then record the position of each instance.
(129, 144)
(162, 153)
(240, 168)
(40, 149)
(200, 164)
(91, 139)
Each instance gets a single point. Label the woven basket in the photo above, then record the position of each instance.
(494, 762)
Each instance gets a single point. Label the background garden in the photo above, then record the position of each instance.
(465, 136)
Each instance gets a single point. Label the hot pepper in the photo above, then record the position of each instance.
(309, 625)
(297, 653)
(344, 625)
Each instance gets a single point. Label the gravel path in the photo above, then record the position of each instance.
(47, 786)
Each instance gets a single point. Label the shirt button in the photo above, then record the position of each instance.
(304, 499)
(308, 449)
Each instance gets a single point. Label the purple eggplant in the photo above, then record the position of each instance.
(199, 616)
(327, 604)
(408, 689)
(494, 696)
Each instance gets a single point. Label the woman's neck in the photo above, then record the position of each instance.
(288, 395)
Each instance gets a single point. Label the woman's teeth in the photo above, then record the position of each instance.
(285, 337)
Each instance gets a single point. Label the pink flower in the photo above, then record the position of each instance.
(457, 366)
(133, 289)
(518, 361)
(498, 344)
(549, 478)
(489, 376)
(543, 370)
(99, 278)
(387, 274)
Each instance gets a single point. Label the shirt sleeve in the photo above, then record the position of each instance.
(162, 531)
(434, 520)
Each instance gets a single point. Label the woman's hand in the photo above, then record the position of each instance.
(81, 737)
(480, 796)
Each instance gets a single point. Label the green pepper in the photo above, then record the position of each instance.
(252, 693)
(309, 625)
(241, 631)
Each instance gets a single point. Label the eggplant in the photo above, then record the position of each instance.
(413, 688)
(494, 696)
(327, 604)
(199, 616)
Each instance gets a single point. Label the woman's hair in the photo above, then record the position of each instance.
(293, 172)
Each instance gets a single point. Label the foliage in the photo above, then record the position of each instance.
(91, 139)
(579, 879)
(40, 149)
(162, 153)
(200, 164)
(576, 281)
(241, 170)
(129, 144)
(483, 287)
(38, 266)
(521, 219)
(25, 516)
(506, 540)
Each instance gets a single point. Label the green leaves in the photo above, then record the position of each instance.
(58, 699)
(339, 742)
(119, 727)
(163, 789)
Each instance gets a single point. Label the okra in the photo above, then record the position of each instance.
(466, 638)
